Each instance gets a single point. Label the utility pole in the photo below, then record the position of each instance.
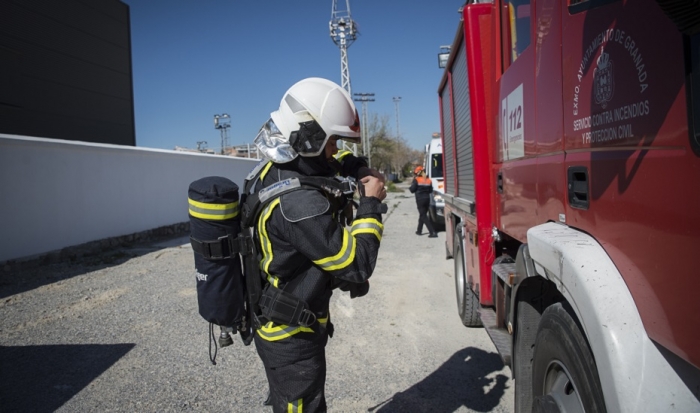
(223, 122)
(364, 98)
(397, 99)
(343, 34)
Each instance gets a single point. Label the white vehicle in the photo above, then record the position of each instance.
(433, 167)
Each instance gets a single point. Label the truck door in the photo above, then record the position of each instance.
(515, 143)
(630, 158)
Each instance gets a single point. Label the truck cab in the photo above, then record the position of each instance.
(571, 141)
(434, 170)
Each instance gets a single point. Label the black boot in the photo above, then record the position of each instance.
(419, 233)
(433, 235)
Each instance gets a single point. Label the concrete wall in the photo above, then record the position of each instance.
(57, 194)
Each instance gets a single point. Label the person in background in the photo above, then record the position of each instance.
(422, 187)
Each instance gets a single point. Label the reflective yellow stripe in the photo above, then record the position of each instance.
(275, 281)
(295, 407)
(265, 244)
(272, 332)
(265, 170)
(216, 212)
(343, 258)
(342, 154)
(367, 226)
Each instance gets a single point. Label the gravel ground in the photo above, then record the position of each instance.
(121, 332)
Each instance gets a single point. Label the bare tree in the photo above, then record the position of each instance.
(405, 157)
(380, 142)
(389, 154)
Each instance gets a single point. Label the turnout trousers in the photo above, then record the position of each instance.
(423, 207)
(298, 386)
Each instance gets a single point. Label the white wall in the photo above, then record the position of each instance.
(56, 194)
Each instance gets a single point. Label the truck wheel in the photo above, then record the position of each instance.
(525, 334)
(432, 215)
(564, 373)
(467, 301)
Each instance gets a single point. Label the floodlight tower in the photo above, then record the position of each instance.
(343, 33)
(223, 122)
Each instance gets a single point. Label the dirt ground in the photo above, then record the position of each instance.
(121, 332)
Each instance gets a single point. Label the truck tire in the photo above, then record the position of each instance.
(433, 216)
(467, 301)
(564, 373)
(435, 219)
(525, 334)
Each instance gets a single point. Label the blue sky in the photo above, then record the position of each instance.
(194, 59)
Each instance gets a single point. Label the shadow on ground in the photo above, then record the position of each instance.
(43, 378)
(16, 278)
(460, 381)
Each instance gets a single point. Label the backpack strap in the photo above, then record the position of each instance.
(221, 248)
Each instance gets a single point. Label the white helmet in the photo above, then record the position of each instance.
(311, 111)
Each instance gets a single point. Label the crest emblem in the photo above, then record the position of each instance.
(603, 80)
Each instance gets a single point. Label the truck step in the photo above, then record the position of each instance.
(504, 271)
(500, 337)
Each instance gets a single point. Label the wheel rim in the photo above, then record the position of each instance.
(459, 276)
(559, 385)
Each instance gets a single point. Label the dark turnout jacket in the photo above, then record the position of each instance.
(305, 251)
(422, 187)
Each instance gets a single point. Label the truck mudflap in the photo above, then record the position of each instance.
(634, 374)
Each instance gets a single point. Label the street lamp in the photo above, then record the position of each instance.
(364, 98)
(397, 99)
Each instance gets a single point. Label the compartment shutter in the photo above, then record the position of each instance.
(463, 127)
(447, 134)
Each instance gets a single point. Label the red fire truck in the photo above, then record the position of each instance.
(571, 140)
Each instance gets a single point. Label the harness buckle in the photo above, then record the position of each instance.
(224, 242)
(307, 318)
(348, 185)
(244, 244)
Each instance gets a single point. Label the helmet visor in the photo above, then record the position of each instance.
(273, 145)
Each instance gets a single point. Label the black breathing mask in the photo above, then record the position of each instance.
(309, 139)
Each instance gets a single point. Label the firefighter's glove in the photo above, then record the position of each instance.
(360, 290)
(355, 289)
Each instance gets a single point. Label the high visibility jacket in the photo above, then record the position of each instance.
(304, 250)
(422, 187)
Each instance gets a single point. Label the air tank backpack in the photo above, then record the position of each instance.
(221, 228)
(216, 239)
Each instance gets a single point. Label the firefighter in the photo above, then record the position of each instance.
(305, 251)
(422, 187)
